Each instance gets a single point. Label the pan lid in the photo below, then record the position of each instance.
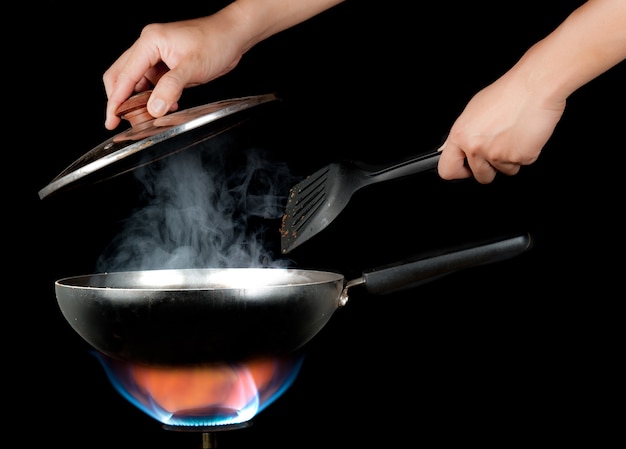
(149, 139)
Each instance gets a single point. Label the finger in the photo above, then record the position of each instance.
(154, 74)
(166, 92)
(482, 170)
(110, 80)
(452, 163)
(118, 93)
(507, 168)
(110, 76)
(130, 73)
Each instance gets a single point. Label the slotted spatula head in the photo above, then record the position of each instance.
(317, 200)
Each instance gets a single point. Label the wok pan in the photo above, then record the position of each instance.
(191, 316)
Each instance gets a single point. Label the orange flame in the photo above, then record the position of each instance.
(203, 395)
(186, 388)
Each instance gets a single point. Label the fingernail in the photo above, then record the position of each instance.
(158, 107)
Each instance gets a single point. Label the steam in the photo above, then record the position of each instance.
(203, 211)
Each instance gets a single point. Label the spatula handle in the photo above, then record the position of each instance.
(421, 163)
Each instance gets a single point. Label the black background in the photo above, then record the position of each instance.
(508, 352)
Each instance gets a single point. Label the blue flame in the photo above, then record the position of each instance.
(255, 397)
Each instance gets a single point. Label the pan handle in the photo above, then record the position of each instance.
(405, 275)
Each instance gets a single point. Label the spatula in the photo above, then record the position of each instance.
(317, 200)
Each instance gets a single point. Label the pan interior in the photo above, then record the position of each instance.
(203, 279)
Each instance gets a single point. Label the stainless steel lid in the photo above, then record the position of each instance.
(150, 139)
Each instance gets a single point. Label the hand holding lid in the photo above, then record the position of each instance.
(149, 138)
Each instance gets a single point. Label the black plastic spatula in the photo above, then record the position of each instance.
(317, 200)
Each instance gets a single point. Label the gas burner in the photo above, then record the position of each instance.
(208, 429)
(209, 433)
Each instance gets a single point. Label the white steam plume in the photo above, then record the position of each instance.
(202, 211)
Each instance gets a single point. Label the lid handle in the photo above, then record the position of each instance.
(135, 109)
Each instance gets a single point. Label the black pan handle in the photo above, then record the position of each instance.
(405, 275)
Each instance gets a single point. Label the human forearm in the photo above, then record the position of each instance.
(256, 20)
(588, 43)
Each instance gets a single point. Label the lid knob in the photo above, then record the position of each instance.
(135, 109)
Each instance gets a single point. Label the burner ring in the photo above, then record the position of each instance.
(206, 429)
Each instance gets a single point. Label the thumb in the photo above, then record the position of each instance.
(165, 95)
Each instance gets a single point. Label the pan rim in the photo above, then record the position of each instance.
(199, 279)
